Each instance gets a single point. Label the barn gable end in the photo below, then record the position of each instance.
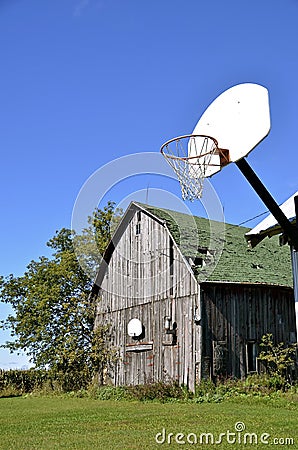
(146, 277)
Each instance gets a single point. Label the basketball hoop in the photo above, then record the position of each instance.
(194, 157)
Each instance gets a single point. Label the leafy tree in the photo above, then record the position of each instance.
(53, 316)
(104, 222)
(90, 245)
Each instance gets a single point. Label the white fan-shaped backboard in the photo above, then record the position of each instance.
(239, 119)
(134, 328)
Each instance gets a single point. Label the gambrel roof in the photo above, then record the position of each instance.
(269, 263)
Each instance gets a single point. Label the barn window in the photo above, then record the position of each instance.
(138, 225)
(171, 260)
(171, 257)
(251, 356)
(138, 228)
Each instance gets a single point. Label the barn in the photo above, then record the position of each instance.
(184, 305)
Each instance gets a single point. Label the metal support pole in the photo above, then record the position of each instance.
(296, 210)
(268, 200)
(294, 255)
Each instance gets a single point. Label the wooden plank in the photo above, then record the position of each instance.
(141, 347)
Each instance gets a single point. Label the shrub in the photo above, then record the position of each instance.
(159, 391)
(109, 392)
(278, 358)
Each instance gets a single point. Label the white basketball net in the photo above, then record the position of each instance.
(190, 156)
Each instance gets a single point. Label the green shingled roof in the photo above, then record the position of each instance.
(267, 263)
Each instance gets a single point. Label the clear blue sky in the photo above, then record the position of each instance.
(86, 81)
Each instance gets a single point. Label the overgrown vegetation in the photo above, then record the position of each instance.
(278, 358)
(15, 383)
(261, 386)
(46, 383)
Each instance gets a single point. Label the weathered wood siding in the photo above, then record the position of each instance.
(147, 278)
(235, 314)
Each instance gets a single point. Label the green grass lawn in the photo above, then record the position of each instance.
(83, 423)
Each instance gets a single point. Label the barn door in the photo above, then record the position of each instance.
(171, 363)
(138, 366)
(219, 358)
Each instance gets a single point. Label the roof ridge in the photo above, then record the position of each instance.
(167, 210)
